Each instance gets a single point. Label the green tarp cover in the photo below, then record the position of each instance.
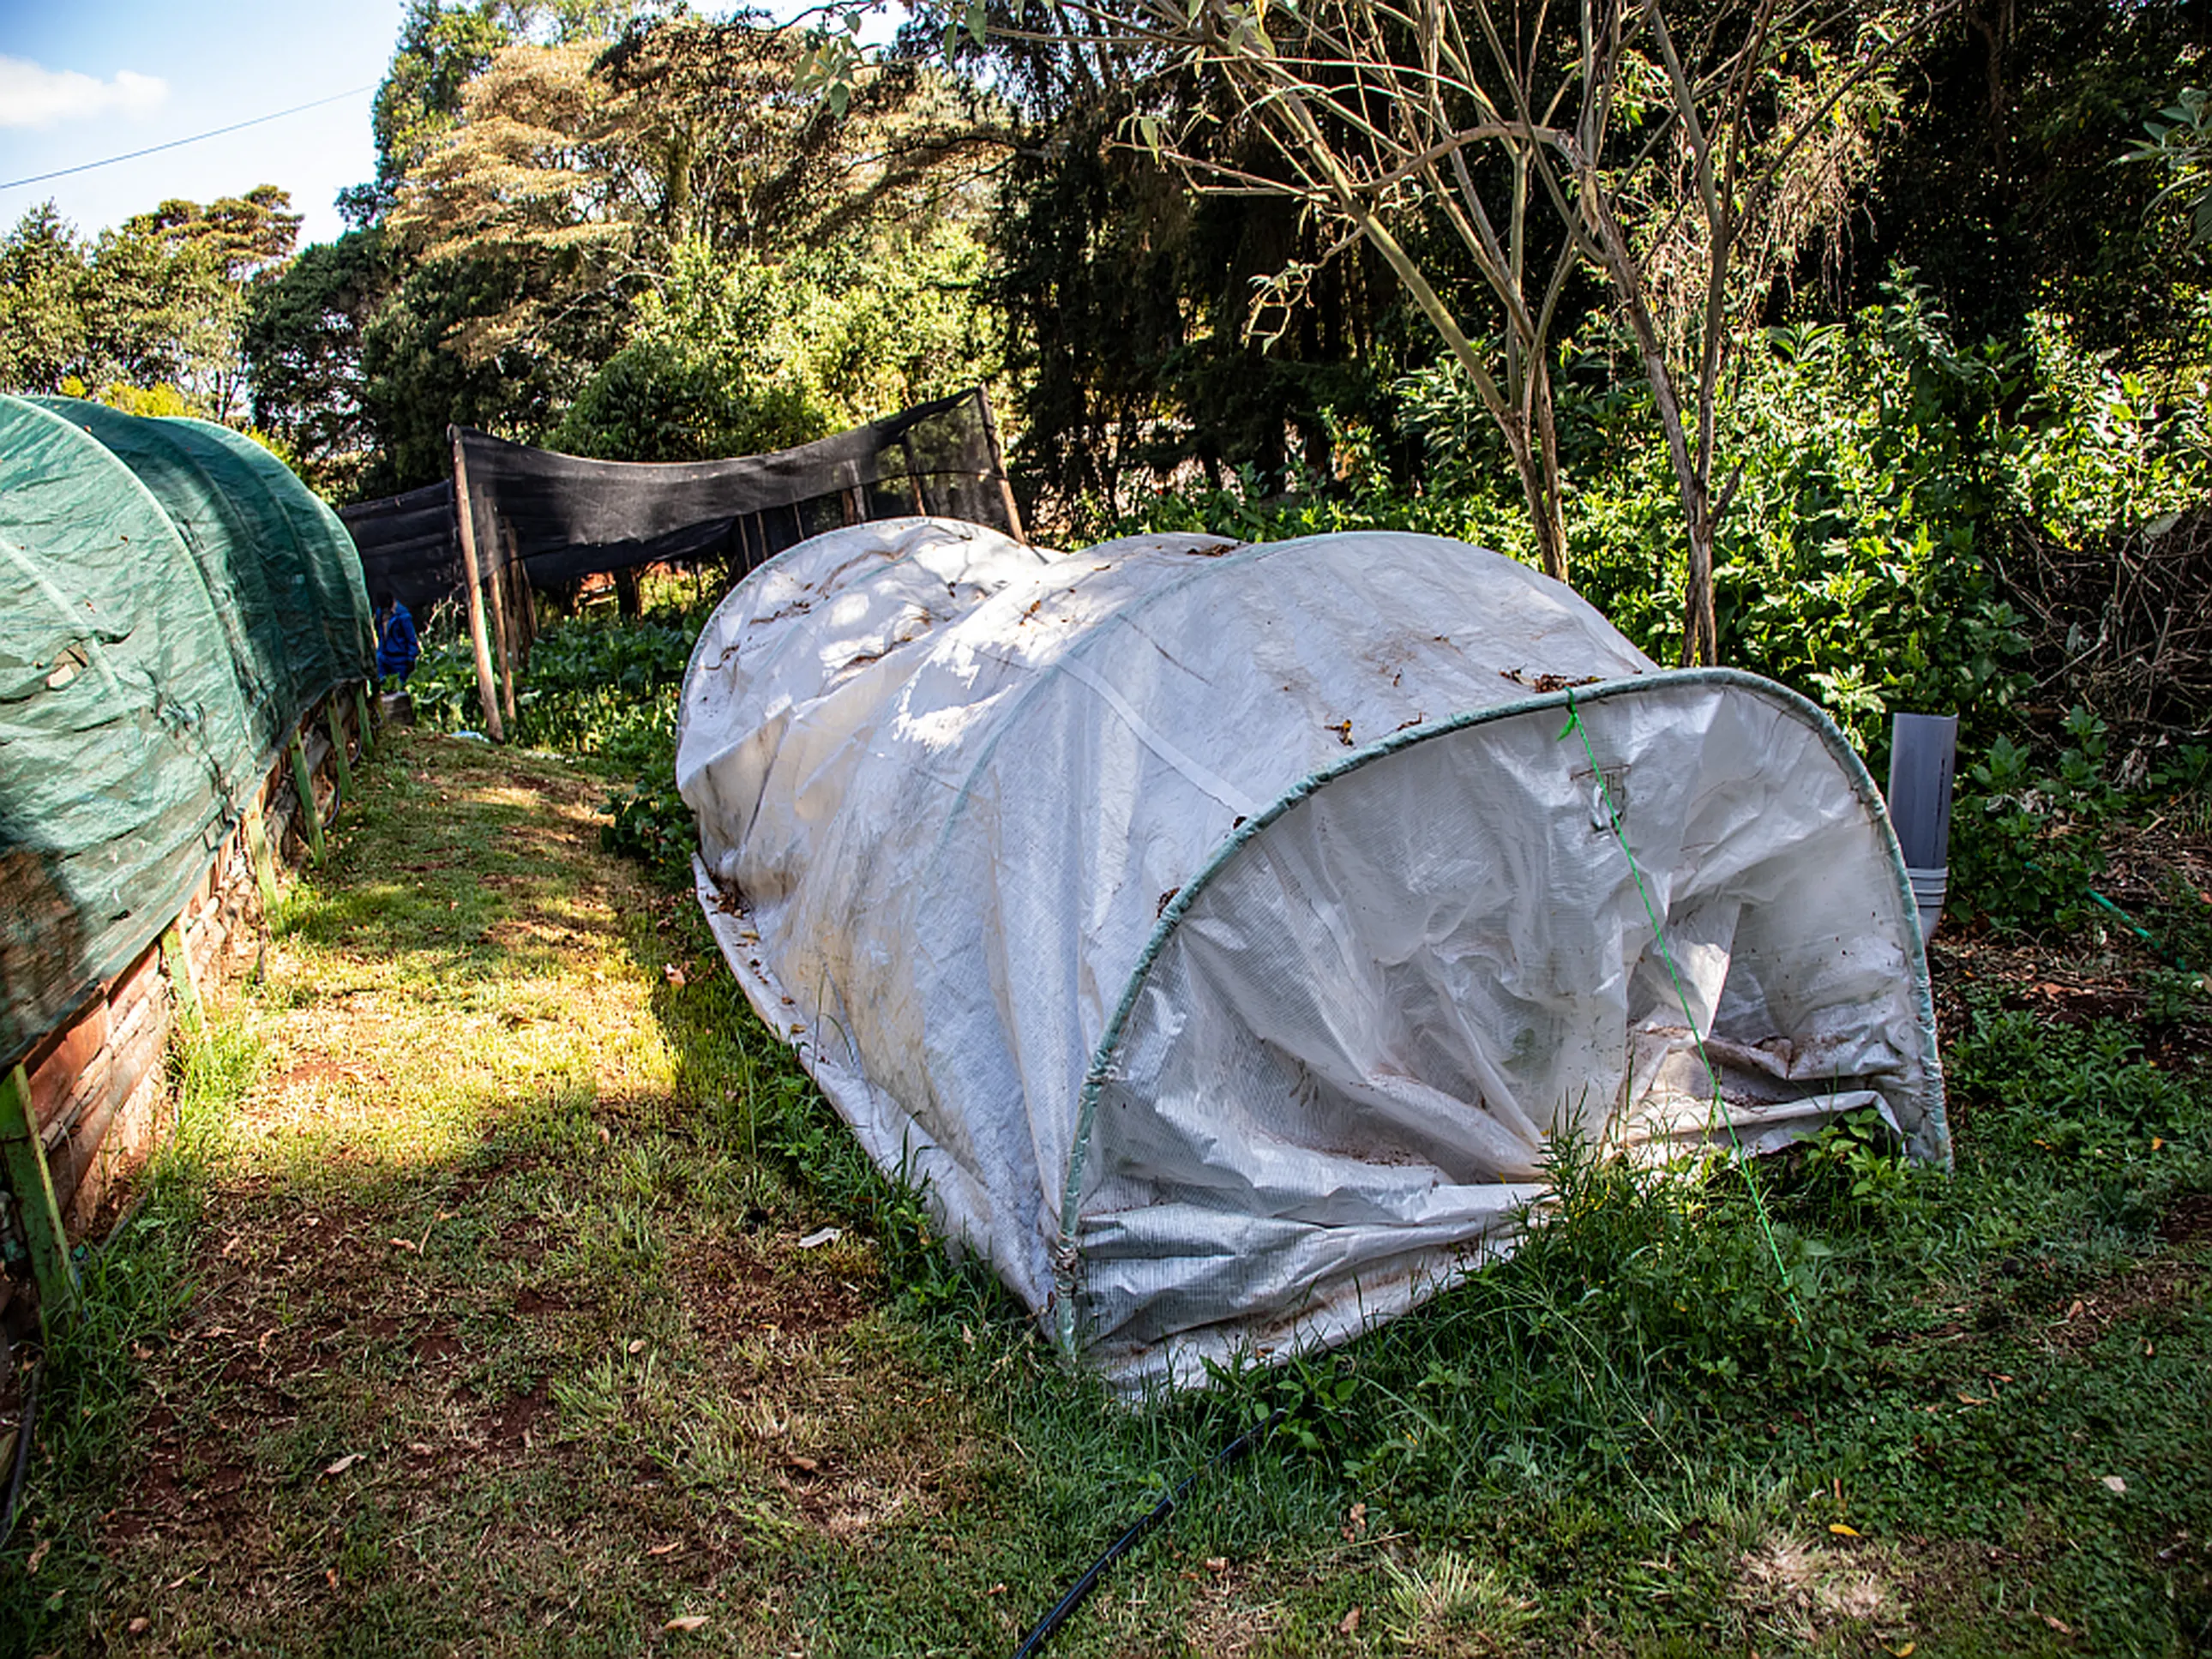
(172, 600)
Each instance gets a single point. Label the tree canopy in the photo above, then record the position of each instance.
(1252, 246)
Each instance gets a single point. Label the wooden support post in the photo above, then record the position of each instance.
(33, 1184)
(500, 620)
(914, 479)
(486, 695)
(338, 747)
(999, 467)
(265, 864)
(525, 604)
(362, 720)
(304, 781)
(184, 984)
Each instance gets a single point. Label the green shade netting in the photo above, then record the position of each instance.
(169, 606)
(321, 565)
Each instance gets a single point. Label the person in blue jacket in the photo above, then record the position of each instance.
(397, 647)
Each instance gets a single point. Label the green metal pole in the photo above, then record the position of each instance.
(182, 980)
(338, 749)
(305, 782)
(34, 1186)
(361, 715)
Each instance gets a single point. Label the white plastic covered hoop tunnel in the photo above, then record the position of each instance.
(1222, 932)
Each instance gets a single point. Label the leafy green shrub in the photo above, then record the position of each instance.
(2083, 1108)
(2025, 849)
(739, 356)
(443, 685)
(1873, 463)
(605, 691)
(650, 822)
(1854, 1172)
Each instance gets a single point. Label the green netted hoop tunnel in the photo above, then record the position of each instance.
(173, 600)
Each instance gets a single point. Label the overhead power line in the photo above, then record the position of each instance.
(174, 143)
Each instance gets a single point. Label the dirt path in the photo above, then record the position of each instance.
(496, 1338)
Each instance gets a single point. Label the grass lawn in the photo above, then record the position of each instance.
(476, 1310)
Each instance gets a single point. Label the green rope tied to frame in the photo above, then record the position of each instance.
(1574, 727)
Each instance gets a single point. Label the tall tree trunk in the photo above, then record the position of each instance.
(1701, 642)
(1540, 488)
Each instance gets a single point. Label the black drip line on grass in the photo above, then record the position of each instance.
(1034, 1642)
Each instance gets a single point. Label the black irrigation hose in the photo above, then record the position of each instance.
(1034, 1642)
(23, 1452)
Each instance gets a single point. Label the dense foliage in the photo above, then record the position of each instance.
(158, 300)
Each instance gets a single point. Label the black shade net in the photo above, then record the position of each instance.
(564, 517)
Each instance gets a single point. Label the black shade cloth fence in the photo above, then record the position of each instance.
(565, 517)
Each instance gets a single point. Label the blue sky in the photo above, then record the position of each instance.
(81, 79)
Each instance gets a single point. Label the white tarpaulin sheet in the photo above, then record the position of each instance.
(1221, 931)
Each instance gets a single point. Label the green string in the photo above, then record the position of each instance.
(1575, 728)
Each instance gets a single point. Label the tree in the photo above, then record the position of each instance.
(441, 48)
(159, 299)
(1762, 129)
(1140, 333)
(538, 223)
(1686, 170)
(303, 349)
(2180, 146)
(592, 167)
(41, 319)
(247, 237)
(2001, 184)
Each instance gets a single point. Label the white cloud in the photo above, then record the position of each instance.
(33, 96)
